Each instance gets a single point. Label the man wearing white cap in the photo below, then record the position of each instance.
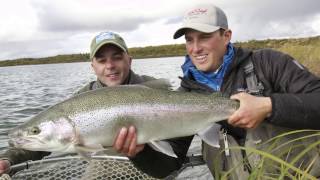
(276, 94)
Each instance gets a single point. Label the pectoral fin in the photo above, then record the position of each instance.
(87, 151)
(163, 147)
(210, 135)
(84, 154)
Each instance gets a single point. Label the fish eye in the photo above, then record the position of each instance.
(34, 130)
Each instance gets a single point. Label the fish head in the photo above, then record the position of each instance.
(52, 135)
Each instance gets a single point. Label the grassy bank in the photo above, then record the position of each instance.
(305, 50)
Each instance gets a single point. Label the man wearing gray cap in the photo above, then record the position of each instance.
(111, 63)
(276, 94)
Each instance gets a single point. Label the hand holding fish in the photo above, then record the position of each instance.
(126, 142)
(252, 111)
(4, 166)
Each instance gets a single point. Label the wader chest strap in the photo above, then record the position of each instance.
(254, 87)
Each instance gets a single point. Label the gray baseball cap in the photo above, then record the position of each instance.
(204, 18)
(106, 38)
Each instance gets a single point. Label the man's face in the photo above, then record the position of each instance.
(111, 65)
(206, 50)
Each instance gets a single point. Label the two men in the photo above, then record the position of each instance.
(276, 94)
(274, 91)
(111, 63)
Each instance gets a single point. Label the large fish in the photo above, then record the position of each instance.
(89, 122)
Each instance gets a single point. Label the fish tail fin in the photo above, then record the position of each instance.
(210, 135)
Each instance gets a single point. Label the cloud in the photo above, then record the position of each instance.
(272, 19)
(39, 28)
(18, 23)
(78, 18)
(44, 48)
(121, 15)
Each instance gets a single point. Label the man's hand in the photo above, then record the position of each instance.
(126, 142)
(4, 166)
(252, 111)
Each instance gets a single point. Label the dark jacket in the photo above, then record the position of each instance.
(294, 92)
(16, 156)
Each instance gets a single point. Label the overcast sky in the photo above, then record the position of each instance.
(40, 28)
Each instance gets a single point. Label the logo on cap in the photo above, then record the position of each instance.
(104, 36)
(197, 11)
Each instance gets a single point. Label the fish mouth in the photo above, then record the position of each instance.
(23, 142)
(18, 142)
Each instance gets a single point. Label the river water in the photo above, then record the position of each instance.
(27, 90)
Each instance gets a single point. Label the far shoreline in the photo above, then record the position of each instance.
(305, 50)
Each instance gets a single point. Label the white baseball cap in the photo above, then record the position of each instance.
(204, 18)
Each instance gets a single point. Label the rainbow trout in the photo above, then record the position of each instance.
(89, 122)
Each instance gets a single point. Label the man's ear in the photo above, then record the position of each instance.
(92, 67)
(227, 35)
(92, 62)
(130, 60)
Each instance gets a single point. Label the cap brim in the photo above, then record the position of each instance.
(105, 43)
(195, 26)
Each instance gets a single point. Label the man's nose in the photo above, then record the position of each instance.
(109, 64)
(196, 47)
